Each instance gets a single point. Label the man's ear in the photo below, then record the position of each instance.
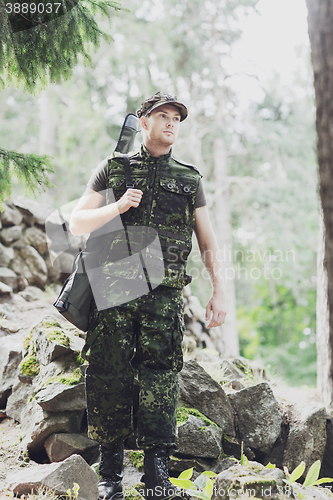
(143, 121)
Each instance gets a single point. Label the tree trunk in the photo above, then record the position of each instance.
(224, 237)
(324, 352)
(320, 21)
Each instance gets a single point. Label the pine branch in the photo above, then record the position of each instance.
(48, 51)
(31, 170)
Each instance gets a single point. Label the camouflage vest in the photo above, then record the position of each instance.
(169, 189)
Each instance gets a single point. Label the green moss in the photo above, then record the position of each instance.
(50, 323)
(183, 412)
(72, 378)
(27, 340)
(32, 397)
(137, 458)
(58, 336)
(29, 366)
(135, 493)
(79, 360)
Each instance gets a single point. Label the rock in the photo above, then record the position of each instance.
(53, 266)
(10, 358)
(179, 464)
(58, 397)
(10, 234)
(7, 313)
(31, 293)
(61, 446)
(36, 238)
(62, 240)
(232, 446)
(64, 262)
(52, 341)
(6, 255)
(245, 481)
(18, 399)
(10, 215)
(22, 393)
(58, 477)
(5, 289)
(8, 277)
(38, 424)
(327, 463)
(197, 439)
(230, 370)
(132, 475)
(32, 211)
(201, 391)
(307, 436)
(195, 307)
(258, 418)
(29, 264)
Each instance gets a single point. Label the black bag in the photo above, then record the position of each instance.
(75, 298)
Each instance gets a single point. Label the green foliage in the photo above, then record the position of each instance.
(49, 50)
(31, 170)
(137, 458)
(201, 488)
(279, 328)
(311, 478)
(73, 494)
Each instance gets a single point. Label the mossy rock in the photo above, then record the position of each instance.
(184, 411)
(58, 336)
(29, 366)
(70, 378)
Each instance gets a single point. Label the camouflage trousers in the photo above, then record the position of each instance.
(143, 336)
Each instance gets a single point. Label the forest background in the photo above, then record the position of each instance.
(251, 134)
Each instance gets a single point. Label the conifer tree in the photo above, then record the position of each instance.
(40, 43)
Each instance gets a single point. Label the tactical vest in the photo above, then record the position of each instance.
(169, 189)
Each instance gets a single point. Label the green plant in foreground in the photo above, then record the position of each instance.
(202, 487)
(75, 493)
(311, 477)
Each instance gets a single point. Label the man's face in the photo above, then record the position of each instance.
(162, 125)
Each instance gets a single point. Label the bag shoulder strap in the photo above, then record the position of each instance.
(128, 176)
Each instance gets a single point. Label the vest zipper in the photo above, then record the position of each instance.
(153, 165)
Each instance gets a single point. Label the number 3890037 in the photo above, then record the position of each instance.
(32, 8)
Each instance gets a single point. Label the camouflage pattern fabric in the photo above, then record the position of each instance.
(142, 335)
(168, 205)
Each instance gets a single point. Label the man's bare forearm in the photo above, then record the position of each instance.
(209, 255)
(87, 220)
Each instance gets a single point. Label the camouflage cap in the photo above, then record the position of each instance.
(158, 99)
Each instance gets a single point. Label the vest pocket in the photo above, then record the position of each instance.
(175, 202)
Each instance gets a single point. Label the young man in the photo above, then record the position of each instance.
(145, 333)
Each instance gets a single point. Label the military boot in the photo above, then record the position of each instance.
(111, 471)
(156, 477)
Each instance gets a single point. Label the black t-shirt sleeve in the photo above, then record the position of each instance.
(200, 200)
(99, 178)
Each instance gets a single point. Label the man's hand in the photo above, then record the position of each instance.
(131, 198)
(216, 305)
